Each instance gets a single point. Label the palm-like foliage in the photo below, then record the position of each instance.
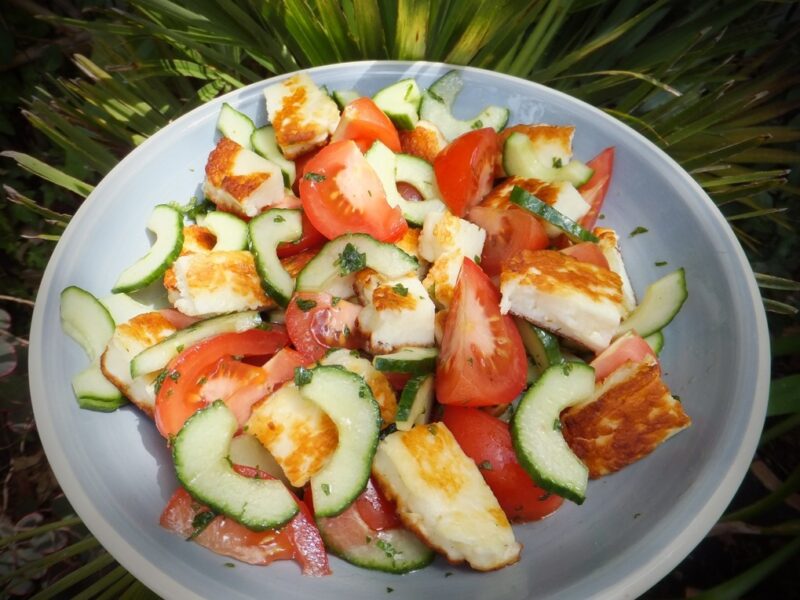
(710, 82)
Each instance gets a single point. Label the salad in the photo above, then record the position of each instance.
(386, 333)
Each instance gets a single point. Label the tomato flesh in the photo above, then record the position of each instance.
(364, 123)
(594, 191)
(316, 324)
(628, 348)
(237, 384)
(464, 169)
(378, 512)
(487, 441)
(481, 359)
(341, 193)
(587, 252)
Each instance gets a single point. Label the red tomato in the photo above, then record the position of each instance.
(482, 359)
(280, 368)
(177, 318)
(587, 252)
(378, 512)
(238, 384)
(487, 441)
(310, 239)
(630, 347)
(465, 169)
(594, 190)
(316, 324)
(300, 168)
(508, 232)
(341, 193)
(179, 395)
(397, 380)
(363, 122)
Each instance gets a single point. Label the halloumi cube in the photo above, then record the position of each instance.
(553, 143)
(381, 388)
(561, 195)
(425, 141)
(399, 313)
(409, 244)
(302, 114)
(630, 414)
(609, 246)
(216, 283)
(442, 497)
(298, 434)
(440, 281)
(574, 299)
(444, 233)
(129, 339)
(240, 181)
(196, 240)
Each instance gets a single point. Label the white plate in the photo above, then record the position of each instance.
(635, 525)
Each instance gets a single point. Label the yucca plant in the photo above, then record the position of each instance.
(713, 83)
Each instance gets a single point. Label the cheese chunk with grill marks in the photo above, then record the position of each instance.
(298, 434)
(574, 299)
(129, 339)
(552, 143)
(425, 141)
(609, 246)
(240, 181)
(216, 283)
(630, 414)
(441, 279)
(444, 233)
(399, 313)
(302, 114)
(196, 240)
(442, 497)
(561, 195)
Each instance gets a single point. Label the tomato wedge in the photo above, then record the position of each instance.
(363, 122)
(509, 231)
(315, 324)
(594, 191)
(481, 359)
(377, 510)
(628, 348)
(179, 395)
(465, 169)
(238, 384)
(487, 441)
(341, 193)
(587, 252)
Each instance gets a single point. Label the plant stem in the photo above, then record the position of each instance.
(114, 590)
(24, 535)
(52, 559)
(779, 429)
(769, 501)
(104, 583)
(76, 576)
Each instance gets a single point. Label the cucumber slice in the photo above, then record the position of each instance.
(264, 143)
(86, 320)
(416, 361)
(419, 173)
(344, 97)
(201, 460)
(94, 391)
(536, 430)
(384, 163)
(437, 103)
(156, 357)
(267, 230)
(521, 158)
(230, 230)
(246, 450)
(416, 402)
(542, 346)
(235, 125)
(348, 254)
(400, 101)
(529, 202)
(123, 308)
(347, 400)
(167, 224)
(391, 550)
(655, 341)
(662, 301)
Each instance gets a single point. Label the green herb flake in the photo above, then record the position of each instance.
(557, 162)
(346, 331)
(335, 300)
(159, 380)
(400, 290)
(435, 96)
(326, 489)
(179, 348)
(661, 263)
(477, 124)
(387, 548)
(448, 573)
(557, 424)
(304, 304)
(432, 429)
(302, 376)
(202, 380)
(389, 590)
(601, 216)
(476, 259)
(566, 368)
(369, 539)
(485, 465)
(174, 375)
(542, 498)
(278, 219)
(638, 230)
(637, 515)
(350, 260)
(200, 522)
(315, 177)
(230, 565)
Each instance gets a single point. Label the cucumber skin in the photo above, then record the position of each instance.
(422, 366)
(681, 274)
(377, 565)
(72, 290)
(532, 204)
(272, 291)
(100, 404)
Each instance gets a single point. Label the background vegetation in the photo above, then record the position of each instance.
(714, 83)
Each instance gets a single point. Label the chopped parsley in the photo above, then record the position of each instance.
(400, 290)
(557, 162)
(350, 260)
(230, 565)
(387, 548)
(335, 300)
(305, 305)
(601, 216)
(485, 465)
(661, 263)
(477, 124)
(557, 424)
(448, 573)
(326, 489)
(346, 331)
(202, 380)
(278, 219)
(638, 230)
(432, 429)
(179, 348)
(315, 177)
(302, 376)
(435, 96)
(476, 259)
(566, 368)
(369, 539)
(200, 522)
(637, 515)
(389, 590)
(542, 498)
(159, 380)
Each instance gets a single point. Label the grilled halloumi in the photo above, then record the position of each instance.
(302, 114)
(609, 246)
(399, 313)
(381, 388)
(129, 339)
(217, 283)
(298, 434)
(240, 181)
(561, 195)
(196, 240)
(442, 497)
(409, 244)
(553, 143)
(629, 415)
(441, 278)
(574, 299)
(444, 233)
(425, 141)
